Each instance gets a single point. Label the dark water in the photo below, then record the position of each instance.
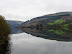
(33, 41)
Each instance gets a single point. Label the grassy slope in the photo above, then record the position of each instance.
(60, 22)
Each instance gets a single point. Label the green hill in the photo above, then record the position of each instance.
(62, 20)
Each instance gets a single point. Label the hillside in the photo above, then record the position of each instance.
(14, 23)
(44, 20)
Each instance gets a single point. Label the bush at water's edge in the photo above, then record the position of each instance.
(4, 39)
(4, 29)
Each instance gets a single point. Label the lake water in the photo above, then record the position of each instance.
(31, 42)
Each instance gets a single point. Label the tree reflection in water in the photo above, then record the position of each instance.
(4, 44)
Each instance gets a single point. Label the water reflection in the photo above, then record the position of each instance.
(58, 35)
(24, 43)
(15, 30)
(37, 41)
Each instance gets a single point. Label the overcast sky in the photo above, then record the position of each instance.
(27, 9)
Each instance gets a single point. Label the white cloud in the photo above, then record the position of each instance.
(27, 9)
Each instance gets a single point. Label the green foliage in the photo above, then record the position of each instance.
(61, 24)
(4, 32)
(4, 27)
(59, 21)
(59, 32)
(65, 25)
(65, 28)
(51, 23)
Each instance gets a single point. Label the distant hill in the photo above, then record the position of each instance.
(44, 20)
(13, 24)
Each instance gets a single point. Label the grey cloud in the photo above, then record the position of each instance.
(33, 8)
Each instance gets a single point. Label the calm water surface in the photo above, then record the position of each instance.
(24, 43)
